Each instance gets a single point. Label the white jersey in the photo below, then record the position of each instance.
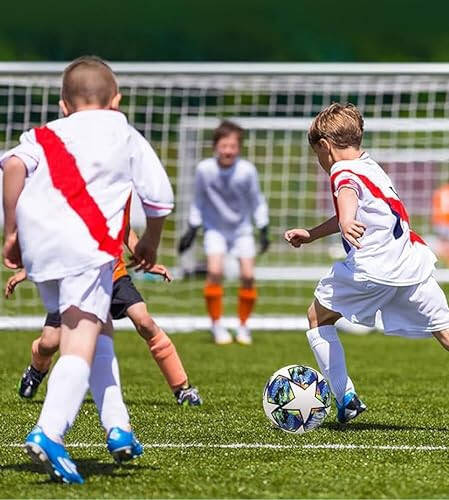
(227, 199)
(80, 171)
(391, 253)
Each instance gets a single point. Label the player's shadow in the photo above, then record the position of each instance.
(86, 467)
(373, 426)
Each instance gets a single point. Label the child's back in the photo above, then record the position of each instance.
(390, 252)
(81, 169)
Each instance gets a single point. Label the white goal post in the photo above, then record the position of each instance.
(177, 105)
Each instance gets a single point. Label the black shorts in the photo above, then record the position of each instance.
(124, 295)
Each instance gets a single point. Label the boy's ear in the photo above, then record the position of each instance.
(324, 144)
(64, 107)
(115, 102)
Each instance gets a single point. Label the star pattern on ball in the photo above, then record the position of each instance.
(304, 400)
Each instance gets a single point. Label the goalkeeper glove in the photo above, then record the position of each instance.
(187, 239)
(264, 240)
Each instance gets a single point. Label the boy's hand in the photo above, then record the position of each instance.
(187, 239)
(144, 257)
(161, 271)
(297, 237)
(13, 281)
(264, 240)
(12, 257)
(351, 231)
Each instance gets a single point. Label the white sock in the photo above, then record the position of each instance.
(66, 388)
(330, 356)
(105, 386)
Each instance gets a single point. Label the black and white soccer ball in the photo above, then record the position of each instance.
(297, 399)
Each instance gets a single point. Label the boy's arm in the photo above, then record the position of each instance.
(260, 212)
(297, 237)
(17, 163)
(195, 220)
(14, 173)
(347, 203)
(156, 195)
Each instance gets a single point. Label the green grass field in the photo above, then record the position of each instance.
(227, 449)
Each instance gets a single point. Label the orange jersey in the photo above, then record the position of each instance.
(440, 206)
(120, 264)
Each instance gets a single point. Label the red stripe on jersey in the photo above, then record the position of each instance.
(395, 205)
(351, 183)
(416, 237)
(67, 179)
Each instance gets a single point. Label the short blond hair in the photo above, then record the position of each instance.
(342, 125)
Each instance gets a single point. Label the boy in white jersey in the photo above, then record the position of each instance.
(226, 199)
(65, 189)
(388, 267)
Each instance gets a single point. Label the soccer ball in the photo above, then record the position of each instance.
(296, 399)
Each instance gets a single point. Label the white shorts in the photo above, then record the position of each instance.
(90, 291)
(409, 311)
(216, 243)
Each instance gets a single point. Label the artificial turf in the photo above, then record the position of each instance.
(404, 383)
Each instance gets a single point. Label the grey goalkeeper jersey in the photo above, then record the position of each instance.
(228, 199)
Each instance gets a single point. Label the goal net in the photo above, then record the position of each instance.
(177, 106)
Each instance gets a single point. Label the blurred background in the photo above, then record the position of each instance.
(276, 65)
(232, 30)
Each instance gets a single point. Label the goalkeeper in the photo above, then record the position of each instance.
(227, 198)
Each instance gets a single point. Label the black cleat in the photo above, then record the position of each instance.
(188, 397)
(30, 382)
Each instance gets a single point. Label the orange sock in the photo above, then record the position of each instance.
(247, 299)
(214, 300)
(38, 361)
(166, 356)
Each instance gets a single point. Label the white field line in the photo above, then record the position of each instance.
(261, 446)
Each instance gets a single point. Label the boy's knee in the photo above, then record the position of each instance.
(146, 327)
(48, 343)
(247, 281)
(312, 316)
(318, 315)
(214, 277)
(443, 338)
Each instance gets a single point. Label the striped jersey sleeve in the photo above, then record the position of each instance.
(150, 178)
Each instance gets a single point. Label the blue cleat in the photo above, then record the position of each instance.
(123, 445)
(351, 407)
(188, 397)
(53, 456)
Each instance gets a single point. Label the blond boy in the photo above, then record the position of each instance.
(388, 267)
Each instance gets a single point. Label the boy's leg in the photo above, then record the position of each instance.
(247, 298)
(328, 350)
(213, 295)
(213, 289)
(161, 347)
(330, 356)
(42, 350)
(69, 379)
(164, 353)
(104, 383)
(443, 338)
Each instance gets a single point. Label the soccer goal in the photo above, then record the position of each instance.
(177, 106)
